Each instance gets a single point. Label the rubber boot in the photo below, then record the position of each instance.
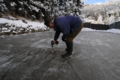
(69, 50)
(66, 48)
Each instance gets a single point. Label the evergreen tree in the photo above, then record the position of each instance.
(46, 8)
(63, 7)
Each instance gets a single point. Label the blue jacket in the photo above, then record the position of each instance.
(66, 25)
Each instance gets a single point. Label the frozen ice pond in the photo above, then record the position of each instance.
(96, 56)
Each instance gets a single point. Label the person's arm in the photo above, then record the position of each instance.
(57, 34)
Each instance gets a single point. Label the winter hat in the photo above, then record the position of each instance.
(48, 20)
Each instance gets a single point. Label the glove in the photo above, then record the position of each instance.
(53, 42)
(63, 39)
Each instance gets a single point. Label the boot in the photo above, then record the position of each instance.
(66, 48)
(69, 50)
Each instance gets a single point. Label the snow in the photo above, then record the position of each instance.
(20, 23)
(115, 31)
(20, 8)
(87, 29)
(102, 13)
(13, 4)
(38, 25)
(34, 8)
(21, 3)
(3, 7)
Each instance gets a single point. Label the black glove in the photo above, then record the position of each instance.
(54, 42)
(63, 39)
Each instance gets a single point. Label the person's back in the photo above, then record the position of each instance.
(67, 23)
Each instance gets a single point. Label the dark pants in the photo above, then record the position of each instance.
(71, 36)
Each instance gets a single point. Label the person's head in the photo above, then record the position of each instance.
(49, 23)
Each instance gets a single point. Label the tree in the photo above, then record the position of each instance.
(62, 7)
(107, 10)
(46, 7)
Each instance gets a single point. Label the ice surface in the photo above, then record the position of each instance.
(29, 56)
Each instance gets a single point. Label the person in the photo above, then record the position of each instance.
(70, 26)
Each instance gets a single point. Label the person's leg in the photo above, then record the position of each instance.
(71, 36)
(69, 42)
(69, 50)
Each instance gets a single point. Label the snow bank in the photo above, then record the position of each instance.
(38, 25)
(116, 31)
(20, 23)
(88, 29)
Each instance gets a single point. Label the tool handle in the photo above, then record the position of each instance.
(52, 42)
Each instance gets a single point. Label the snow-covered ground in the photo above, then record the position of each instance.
(10, 25)
(20, 23)
(116, 31)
